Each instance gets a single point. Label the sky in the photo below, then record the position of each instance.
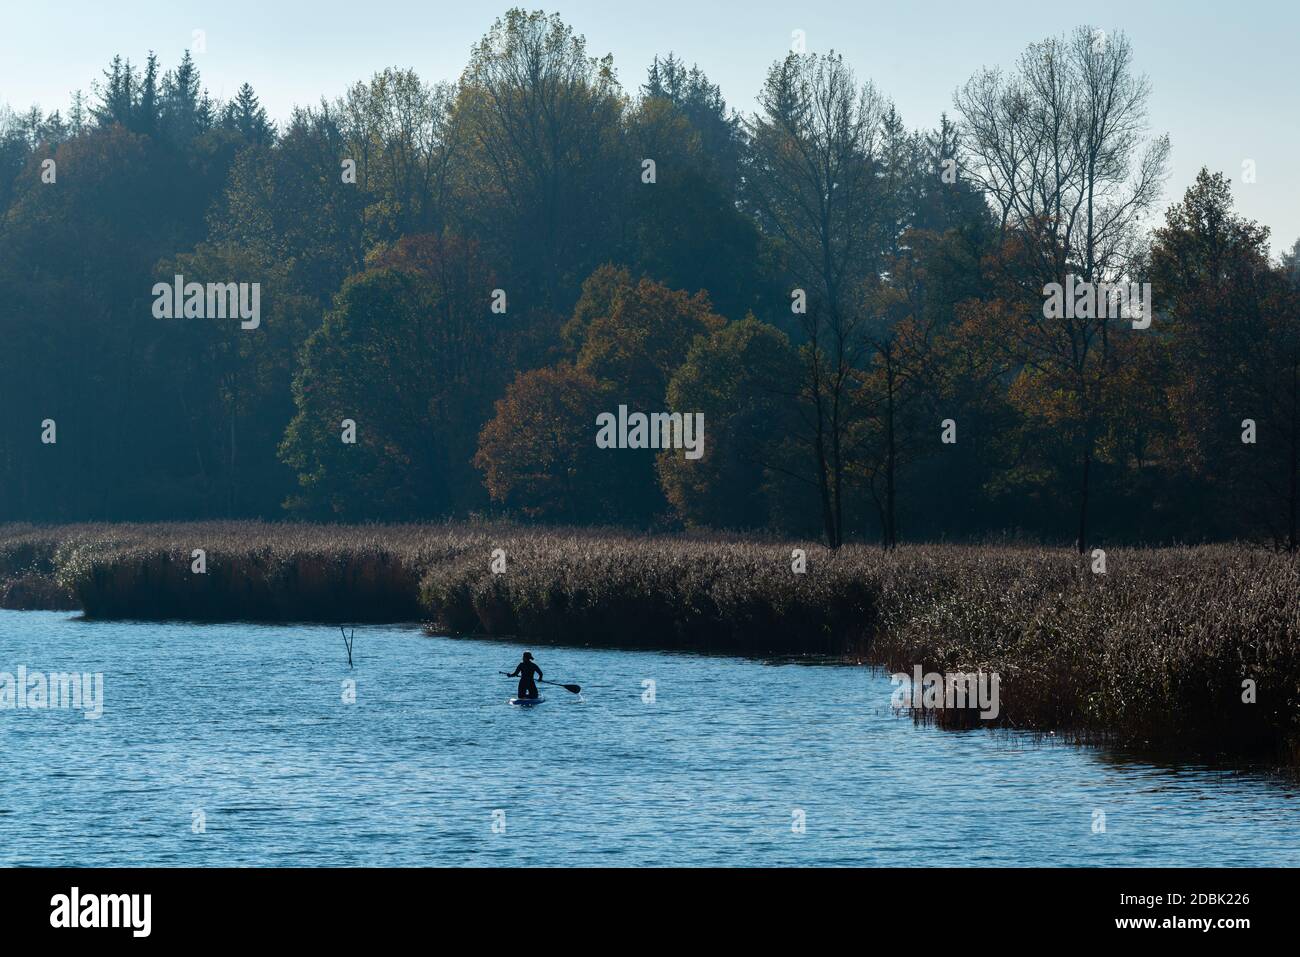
(1224, 75)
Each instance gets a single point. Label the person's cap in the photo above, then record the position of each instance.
(528, 656)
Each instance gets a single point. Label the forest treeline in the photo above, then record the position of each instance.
(472, 271)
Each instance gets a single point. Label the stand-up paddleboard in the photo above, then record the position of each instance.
(572, 689)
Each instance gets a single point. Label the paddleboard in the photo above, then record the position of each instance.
(526, 701)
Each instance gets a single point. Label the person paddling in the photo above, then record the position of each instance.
(525, 671)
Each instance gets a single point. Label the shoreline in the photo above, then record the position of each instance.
(1193, 650)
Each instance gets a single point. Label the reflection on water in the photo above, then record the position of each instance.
(232, 744)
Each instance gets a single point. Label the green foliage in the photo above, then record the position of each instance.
(545, 168)
(409, 354)
(740, 377)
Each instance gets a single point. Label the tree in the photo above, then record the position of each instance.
(1235, 327)
(89, 361)
(638, 333)
(739, 377)
(399, 131)
(701, 104)
(811, 181)
(632, 336)
(623, 344)
(228, 383)
(811, 175)
(686, 230)
(286, 201)
(246, 116)
(545, 165)
(411, 355)
(181, 117)
(117, 95)
(934, 232)
(1058, 149)
(146, 111)
(538, 453)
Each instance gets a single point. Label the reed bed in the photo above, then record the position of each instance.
(1156, 653)
(623, 591)
(254, 571)
(27, 566)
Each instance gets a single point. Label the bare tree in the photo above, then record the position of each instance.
(1060, 150)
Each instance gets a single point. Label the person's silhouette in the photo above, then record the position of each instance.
(525, 671)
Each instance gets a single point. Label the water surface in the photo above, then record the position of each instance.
(246, 726)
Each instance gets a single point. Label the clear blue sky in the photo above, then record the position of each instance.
(1225, 75)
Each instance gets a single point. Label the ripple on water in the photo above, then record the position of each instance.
(244, 729)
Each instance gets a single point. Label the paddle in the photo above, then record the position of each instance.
(572, 689)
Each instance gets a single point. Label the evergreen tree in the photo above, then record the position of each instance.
(181, 120)
(145, 118)
(246, 116)
(117, 94)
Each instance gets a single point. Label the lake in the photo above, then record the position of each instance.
(233, 745)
